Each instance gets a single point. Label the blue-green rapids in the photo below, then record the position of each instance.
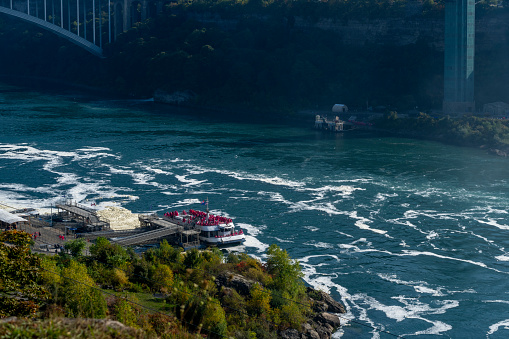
(411, 236)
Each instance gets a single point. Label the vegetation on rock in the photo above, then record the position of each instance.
(464, 131)
(163, 293)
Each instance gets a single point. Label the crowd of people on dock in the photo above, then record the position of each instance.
(199, 218)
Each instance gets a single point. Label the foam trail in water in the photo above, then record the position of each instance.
(419, 286)
(494, 328)
(277, 181)
(361, 223)
(189, 182)
(494, 223)
(255, 243)
(412, 308)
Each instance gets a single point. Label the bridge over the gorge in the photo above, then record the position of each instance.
(86, 23)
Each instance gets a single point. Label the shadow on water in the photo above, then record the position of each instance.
(85, 94)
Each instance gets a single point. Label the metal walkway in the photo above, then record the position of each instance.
(89, 217)
(150, 236)
(164, 229)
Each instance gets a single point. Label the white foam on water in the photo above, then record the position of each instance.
(502, 258)
(300, 206)
(185, 202)
(412, 214)
(438, 328)
(346, 235)
(419, 286)
(138, 178)
(383, 196)
(412, 308)
(255, 243)
(361, 180)
(327, 207)
(157, 170)
(427, 193)
(399, 221)
(343, 190)
(311, 228)
(403, 244)
(189, 182)
(492, 222)
(323, 282)
(283, 240)
(306, 259)
(253, 230)
(496, 301)
(173, 189)
(432, 235)
(177, 160)
(29, 153)
(93, 149)
(487, 210)
(361, 223)
(494, 328)
(417, 253)
(318, 244)
(204, 193)
(276, 181)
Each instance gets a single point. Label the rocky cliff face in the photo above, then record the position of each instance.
(491, 30)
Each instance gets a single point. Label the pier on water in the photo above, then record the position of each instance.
(335, 125)
(77, 221)
(186, 236)
(85, 216)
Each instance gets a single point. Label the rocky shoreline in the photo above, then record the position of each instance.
(322, 325)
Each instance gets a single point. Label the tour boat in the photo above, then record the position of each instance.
(214, 230)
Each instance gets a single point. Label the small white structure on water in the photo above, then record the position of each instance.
(339, 108)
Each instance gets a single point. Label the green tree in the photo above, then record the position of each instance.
(21, 293)
(162, 278)
(125, 312)
(79, 293)
(260, 301)
(107, 253)
(193, 258)
(287, 274)
(168, 254)
(76, 247)
(214, 319)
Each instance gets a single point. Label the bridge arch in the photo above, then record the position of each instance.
(58, 30)
(84, 22)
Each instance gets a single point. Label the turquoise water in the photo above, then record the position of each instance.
(411, 236)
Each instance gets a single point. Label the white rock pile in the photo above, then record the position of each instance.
(119, 218)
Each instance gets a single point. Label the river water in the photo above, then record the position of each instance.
(411, 236)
